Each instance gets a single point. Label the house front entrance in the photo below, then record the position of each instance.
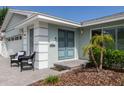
(65, 44)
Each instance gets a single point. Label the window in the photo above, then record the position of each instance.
(120, 38)
(20, 37)
(66, 38)
(16, 37)
(12, 38)
(61, 39)
(70, 39)
(117, 33)
(110, 31)
(8, 38)
(96, 32)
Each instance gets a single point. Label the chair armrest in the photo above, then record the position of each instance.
(21, 58)
(13, 56)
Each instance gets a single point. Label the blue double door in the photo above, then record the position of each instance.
(65, 44)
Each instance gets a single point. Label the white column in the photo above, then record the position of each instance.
(41, 45)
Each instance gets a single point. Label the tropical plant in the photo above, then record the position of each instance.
(98, 41)
(3, 12)
(89, 50)
(52, 79)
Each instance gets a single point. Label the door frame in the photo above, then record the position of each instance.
(28, 38)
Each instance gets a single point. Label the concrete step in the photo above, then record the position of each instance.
(71, 64)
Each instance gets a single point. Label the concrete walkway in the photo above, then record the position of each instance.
(13, 77)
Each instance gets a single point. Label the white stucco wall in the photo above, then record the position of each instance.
(84, 40)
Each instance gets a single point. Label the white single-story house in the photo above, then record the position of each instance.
(55, 39)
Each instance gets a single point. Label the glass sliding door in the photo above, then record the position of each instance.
(61, 44)
(70, 44)
(65, 44)
(120, 38)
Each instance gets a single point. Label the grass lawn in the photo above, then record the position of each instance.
(87, 77)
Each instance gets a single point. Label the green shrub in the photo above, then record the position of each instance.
(111, 57)
(108, 59)
(52, 79)
(114, 57)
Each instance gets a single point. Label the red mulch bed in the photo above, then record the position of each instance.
(88, 77)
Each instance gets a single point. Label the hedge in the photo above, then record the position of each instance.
(112, 58)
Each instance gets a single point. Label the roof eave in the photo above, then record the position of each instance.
(58, 21)
(101, 21)
(49, 20)
(9, 14)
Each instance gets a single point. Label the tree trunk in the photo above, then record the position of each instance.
(94, 61)
(101, 60)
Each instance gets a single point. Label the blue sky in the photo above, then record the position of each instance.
(74, 13)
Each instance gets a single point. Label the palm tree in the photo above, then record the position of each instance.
(3, 12)
(89, 50)
(98, 41)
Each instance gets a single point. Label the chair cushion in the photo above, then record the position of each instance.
(20, 53)
(14, 59)
(29, 62)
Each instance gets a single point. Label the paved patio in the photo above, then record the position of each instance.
(13, 77)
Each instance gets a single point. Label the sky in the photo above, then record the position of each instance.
(74, 13)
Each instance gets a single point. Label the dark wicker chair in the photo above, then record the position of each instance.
(15, 58)
(27, 61)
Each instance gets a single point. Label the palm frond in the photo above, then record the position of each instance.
(108, 38)
(86, 48)
(98, 39)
